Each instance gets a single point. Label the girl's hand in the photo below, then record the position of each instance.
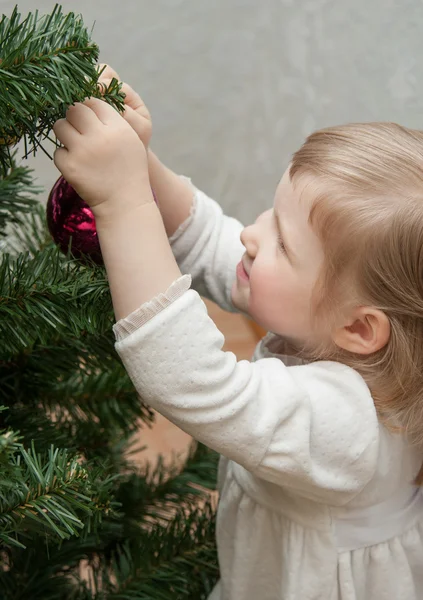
(136, 112)
(102, 158)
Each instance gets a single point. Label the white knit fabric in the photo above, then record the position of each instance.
(316, 497)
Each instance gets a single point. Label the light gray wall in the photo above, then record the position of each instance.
(235, 85)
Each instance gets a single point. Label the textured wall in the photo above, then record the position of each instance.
(235, 85)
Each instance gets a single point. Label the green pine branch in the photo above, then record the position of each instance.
(156, 494)
(167, 486)
(29, 232)
(42, 296)
(53, 498)
(169, 562)
(172, 562)
(17, 197)
(63, 395)
(9, 441)
(178, 550)
(106, 397)
(47, 63)
(37, 426)
(132, 554)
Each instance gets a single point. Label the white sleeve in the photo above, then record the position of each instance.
(207, 246)
(312, 428)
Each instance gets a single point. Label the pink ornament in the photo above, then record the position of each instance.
(71, 223)
(69, 216)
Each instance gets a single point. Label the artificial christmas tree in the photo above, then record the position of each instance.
(78, 519)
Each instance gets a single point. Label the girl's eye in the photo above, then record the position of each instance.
(281, 245)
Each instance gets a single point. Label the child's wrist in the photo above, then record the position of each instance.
(128, 202)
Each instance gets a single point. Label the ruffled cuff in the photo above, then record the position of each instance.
(148, 310)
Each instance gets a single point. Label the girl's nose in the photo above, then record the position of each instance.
(249, 239)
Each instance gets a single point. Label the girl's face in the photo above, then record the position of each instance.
(282, 260)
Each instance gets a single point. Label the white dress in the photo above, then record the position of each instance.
(316, 496)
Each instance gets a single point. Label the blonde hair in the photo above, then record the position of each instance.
(367, 188)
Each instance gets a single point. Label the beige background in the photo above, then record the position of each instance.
(235, 85)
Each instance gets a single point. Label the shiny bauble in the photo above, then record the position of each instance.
(71, 223)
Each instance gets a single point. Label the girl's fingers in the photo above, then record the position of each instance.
(108, 72)
(60, 158)
(66, 133)
(132, 99)
(80, 117)
(103, 84)
(104, 112)
(134, 120)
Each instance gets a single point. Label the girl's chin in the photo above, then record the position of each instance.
(238, 298)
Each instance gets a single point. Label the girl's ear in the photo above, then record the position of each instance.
(367, 331)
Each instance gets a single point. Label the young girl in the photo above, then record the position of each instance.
(320, 435)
